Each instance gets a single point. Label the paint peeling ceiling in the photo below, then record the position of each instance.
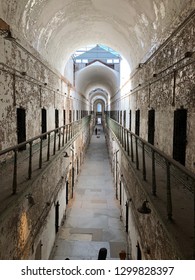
(57, 28)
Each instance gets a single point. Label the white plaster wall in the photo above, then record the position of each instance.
(68, 71)
(48, 234)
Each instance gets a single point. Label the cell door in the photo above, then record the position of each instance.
(44, 122)
(72, 182)
(120, 192)
(70, 116)
(137, 122)
(151, 126)
(77, 115)
(57, 206)
(121, 119)
(73, 115)
(139, 253)
(64, 117)
(56, 118)
(130, 120)
(127, 216)
(66, 192)
(179, 135)
(77, 166)
(124, 118)
(21, 127)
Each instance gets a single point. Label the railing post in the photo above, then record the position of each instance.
(122, 130)
(63, 138)
(127, 143)
(66, 128)
(153, 174)
(125, 140)
(143, 161)
(136, 153)
(54, 143)
(48, 147)
(169, 199)
(59, 134)
(14, 186)
(40, 154)
(70, 131)
(30, 162)
(132, 153)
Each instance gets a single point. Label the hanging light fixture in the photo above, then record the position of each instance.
(9, 36)
(66, 155)
(144, 209)
(30, 199)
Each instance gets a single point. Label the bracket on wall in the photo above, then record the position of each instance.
(144, 209)
(66, 155)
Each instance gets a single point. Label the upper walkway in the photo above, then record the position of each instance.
(93, 215)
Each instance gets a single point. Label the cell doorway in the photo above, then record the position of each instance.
(179, 135)
(151, 126)
(21, 127)
(44, 122)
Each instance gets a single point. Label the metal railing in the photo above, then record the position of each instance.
(41, 148)
(148, 159)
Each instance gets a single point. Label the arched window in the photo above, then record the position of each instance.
(99, 107)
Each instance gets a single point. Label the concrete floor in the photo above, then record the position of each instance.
(93, 215)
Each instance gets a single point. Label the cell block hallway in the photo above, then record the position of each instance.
(127, 69)
(93, 217)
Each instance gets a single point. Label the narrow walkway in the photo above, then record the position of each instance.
(93, 216)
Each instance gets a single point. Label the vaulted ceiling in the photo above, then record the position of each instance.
(57, 28)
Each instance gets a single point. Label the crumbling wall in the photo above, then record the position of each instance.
(166, 82)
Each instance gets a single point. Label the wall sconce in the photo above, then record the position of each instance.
(30, 199)
(140, 65)
(144, 209)
(66, 155)
(9, 36)
(5, 30)
(188, 54)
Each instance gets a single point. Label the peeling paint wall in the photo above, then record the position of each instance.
(27, 82)
(24, 226)
(164, 92)
(151, 231)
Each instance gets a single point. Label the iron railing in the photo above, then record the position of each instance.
(39, 150)
(156, 167)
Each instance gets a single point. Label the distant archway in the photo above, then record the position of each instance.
(99, 107)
